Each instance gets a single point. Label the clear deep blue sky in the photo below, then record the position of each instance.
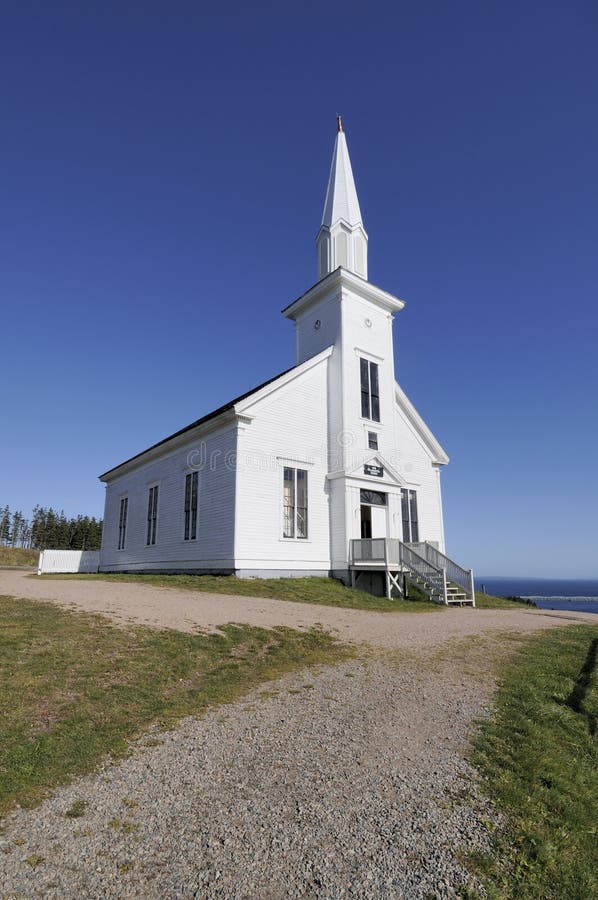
(163, 175)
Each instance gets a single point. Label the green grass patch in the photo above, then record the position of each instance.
(538, 755)
(74, 687)
(323, 591)
(488, 601)
(18, 556)
(76, 810)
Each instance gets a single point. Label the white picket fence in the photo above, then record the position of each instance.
(68, 561)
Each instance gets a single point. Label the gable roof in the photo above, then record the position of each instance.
(238, 405)
(245, 404)
(207, 418)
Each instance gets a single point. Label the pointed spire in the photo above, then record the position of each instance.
(342, 240)
(341, 196)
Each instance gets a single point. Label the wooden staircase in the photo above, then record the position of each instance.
(457, 582)
(439, 577)
(455, 595)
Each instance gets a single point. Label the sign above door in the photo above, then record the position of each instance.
(377, 471)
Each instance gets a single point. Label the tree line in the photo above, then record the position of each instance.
(48, 528)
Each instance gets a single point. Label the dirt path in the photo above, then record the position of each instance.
(188, 611)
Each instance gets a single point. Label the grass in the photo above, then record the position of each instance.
(74, 688)
(18, 556)
(488, 601)
(323, 591)
(76, 809)
(538, 755)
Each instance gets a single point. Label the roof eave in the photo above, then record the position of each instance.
(436, 450)
(178, 439)
(343, 278)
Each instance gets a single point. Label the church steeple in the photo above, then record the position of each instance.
(342, 240)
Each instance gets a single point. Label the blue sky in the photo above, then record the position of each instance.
(163, 175)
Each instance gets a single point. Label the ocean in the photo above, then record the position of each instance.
(579, 594)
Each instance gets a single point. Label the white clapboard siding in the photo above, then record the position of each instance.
(288, 427)
(212, 456)
(68, 561)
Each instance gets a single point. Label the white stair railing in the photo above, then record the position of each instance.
(430, 577)
(455, 573)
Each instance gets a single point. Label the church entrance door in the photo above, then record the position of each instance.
(373, 514)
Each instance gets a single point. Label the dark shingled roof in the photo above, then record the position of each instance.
(212, 415)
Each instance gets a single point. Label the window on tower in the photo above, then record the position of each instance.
(370, 393)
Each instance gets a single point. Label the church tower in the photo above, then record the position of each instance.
(344, 311)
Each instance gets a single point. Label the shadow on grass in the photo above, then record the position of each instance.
(576, 698)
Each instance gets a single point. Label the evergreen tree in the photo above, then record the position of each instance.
(4, 525)
(51, 535)
(49, 529)
(38, 528)
(16, 526)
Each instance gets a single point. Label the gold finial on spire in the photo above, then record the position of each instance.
(339, 123)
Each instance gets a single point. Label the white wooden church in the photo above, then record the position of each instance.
(326, 469)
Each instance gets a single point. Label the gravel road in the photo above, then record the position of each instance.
(345, 781)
